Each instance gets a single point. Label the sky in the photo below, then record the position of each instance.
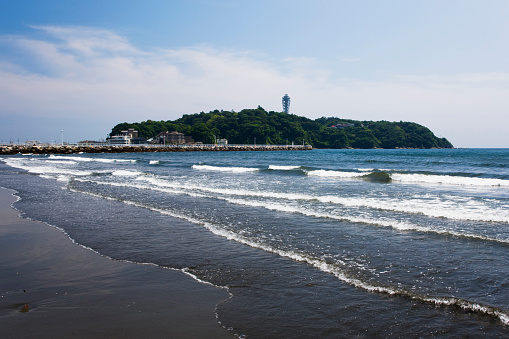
(74, 69)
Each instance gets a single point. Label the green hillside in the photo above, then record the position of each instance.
(281, 128)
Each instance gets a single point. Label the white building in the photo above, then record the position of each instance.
(120, 140)
(124, 138)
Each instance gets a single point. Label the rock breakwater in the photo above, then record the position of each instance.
(73, 149)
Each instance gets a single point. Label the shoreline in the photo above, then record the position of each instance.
(72, 149)
(74, 292)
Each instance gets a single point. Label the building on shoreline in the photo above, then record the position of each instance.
(172, 138)
(128, 137)
(119, 140)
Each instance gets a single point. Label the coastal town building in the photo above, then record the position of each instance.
(131, 132)
(173, 137)
(130, 137)
(139, 141)
(124, 138)
(119, 140)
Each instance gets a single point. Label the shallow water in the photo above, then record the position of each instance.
(322, 243)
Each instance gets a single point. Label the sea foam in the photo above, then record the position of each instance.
(225, 169)
(449, 180)
(283, 168)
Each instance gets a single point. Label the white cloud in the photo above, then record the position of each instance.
(88, 40)
(94, 73)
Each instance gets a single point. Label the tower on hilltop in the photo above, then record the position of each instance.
(286, 104)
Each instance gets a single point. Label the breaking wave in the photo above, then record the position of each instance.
(225, 169)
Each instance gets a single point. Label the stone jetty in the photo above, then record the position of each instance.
(73, 149)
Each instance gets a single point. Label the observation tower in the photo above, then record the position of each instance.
(286, 104)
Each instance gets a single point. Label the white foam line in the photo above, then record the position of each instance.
(402, 226)
(43, 169)
(417, 178)
(88, 159)
(431, 208)
(335, 174)
(283, 168)
(144, 187)
(126, 173)
(62, 162)
(398, 225)
(448, 180)
(331, 269)
(225, 169)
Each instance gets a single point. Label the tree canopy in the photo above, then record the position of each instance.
(282, 128)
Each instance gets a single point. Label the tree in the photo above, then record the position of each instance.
(279, 128)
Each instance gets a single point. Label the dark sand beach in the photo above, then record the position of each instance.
(74, 292)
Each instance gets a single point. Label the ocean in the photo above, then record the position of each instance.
(322, 243)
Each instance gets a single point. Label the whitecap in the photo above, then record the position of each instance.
(449, 180)
(126, 173)
(335, 174)
(283, 168)
(225, 169)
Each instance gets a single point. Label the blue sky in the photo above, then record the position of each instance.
(84, 66)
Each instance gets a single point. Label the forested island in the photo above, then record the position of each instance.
(276, 128)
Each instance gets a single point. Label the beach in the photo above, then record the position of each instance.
(74, 292)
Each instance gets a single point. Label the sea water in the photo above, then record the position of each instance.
(322, 243)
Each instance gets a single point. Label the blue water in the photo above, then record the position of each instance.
(322, 243)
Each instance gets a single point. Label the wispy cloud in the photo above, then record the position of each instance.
(89, 40)
(96, 73)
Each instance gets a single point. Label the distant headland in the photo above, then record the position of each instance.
(247, 130)
(259, 127)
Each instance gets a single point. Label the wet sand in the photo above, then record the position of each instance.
(74, 292)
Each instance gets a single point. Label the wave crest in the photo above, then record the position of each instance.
(225, 169)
